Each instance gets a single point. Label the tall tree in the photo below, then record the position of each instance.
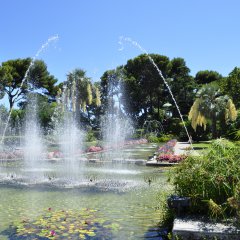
(211, 105)
(16, 80)
(144, 86)
(206, 76)
(231, 85)
(112, 88)
(182, 86)
(79, 94)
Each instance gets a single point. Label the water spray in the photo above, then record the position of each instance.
(45, 45)
(134, 43)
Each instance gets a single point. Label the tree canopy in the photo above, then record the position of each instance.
(206, 76)
(79, 95)
(211, 105)
(231, 85)
(20, 76)
(137, 87)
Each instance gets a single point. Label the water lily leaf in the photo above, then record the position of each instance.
(91, 234)
(82, 236)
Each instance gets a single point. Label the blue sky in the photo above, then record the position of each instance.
(205, 33)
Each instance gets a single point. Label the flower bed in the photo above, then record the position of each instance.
(94, 149)
(166, 153)
(126, 143)
(168, 148)
(171, 158)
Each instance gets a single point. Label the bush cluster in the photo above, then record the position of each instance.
(153, 138)
(212, 180)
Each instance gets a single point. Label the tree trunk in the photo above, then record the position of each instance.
(11, 102)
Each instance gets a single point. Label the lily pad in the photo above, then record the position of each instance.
(62, 224)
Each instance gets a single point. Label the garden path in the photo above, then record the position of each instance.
(181, 148)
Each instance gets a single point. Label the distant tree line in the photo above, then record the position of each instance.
(208, 101)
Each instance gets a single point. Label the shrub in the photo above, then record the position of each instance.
(152, 138)
(211, 180)
(165, 138)
(90, 137)
(138, 133)
(158, 139)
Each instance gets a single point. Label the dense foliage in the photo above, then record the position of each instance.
(21, 76)
(211, 104)
(212, 180)
(78, 95)
(137, 89)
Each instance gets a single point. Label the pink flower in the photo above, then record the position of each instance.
(52, 233)
(94, 149)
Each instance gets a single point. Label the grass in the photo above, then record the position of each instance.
(201, 145)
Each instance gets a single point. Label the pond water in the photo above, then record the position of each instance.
(122, 193)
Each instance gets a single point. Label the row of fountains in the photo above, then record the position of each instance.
(59, 158)
(66, 133)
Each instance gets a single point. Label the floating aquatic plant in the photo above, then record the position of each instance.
(64, 224)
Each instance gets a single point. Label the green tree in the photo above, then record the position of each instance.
(111, 88)
(182, 86)
(45, 110)
(3, 117)
(206, 76)
(16, 81)
(211, 105)
(231, 85)
(143, 85)
(79, 94)
(144, 91)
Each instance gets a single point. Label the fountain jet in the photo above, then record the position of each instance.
(134, 43)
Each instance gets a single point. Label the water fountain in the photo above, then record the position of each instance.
(68, 135)
(34, 148)
(66, 181)
(116, 126)
(43, 47)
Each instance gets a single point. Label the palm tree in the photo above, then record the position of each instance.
(80, 93)
(211, 105)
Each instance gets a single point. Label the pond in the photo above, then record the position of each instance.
(123, 194)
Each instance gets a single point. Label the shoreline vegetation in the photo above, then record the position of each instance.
(210, 180)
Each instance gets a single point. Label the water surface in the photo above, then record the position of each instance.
(120, 192)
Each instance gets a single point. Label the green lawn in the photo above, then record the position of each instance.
(200, 146)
